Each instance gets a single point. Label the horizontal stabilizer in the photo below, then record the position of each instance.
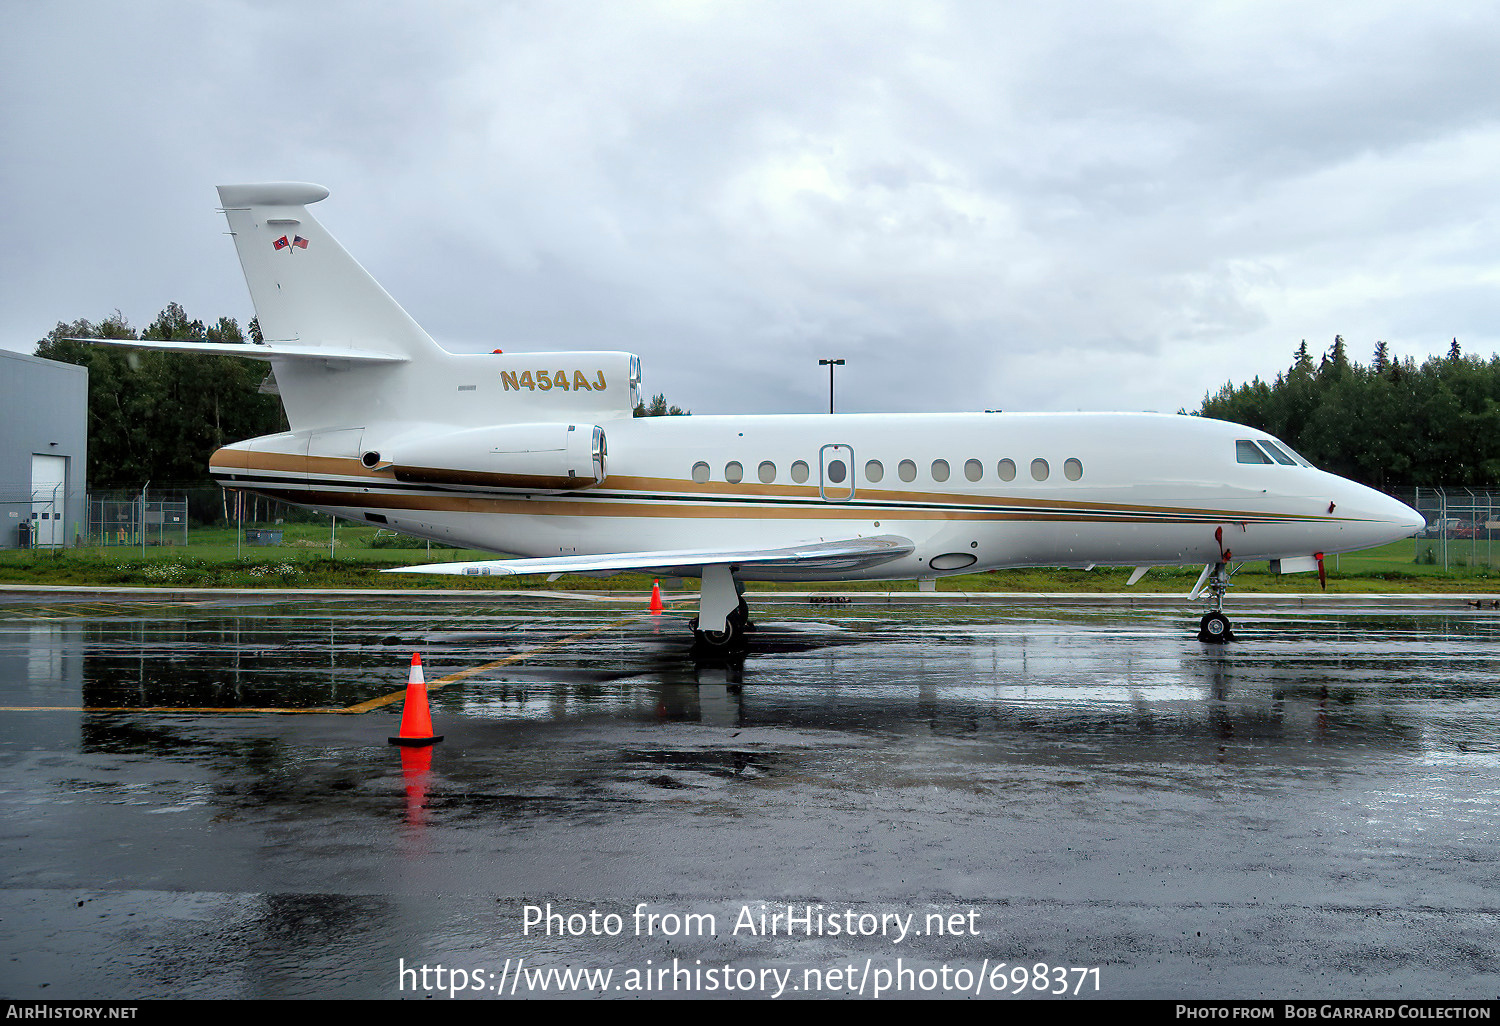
(845, 555)
(249, 350)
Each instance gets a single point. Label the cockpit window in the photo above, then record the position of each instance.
(1294, 454)
(1276, 453)
(1246, 451)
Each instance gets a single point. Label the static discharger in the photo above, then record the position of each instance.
(656, 596)
(416, 720)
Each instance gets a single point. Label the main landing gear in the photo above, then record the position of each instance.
(723, 615)
(1213, 628)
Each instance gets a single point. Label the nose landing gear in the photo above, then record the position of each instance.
(1214, 628)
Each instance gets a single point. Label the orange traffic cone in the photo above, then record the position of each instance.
(416, 721)
(656, 596)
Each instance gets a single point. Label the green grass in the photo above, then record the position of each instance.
(300, 542)
(209, 561)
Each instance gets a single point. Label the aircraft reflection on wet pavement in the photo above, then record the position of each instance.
(881, 671)
(1321, 794)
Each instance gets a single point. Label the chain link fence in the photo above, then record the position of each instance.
(1463, 525)
(38, 519)
(222, 523)
(137, 520)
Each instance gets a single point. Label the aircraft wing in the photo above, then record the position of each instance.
(842, 555)
(267, 351)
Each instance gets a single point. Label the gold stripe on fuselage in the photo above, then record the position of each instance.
(664, 497)
(624, 507)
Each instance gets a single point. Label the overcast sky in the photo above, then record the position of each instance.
(978, 205)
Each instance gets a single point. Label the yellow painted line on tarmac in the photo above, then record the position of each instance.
(454, 678)
(359, 707)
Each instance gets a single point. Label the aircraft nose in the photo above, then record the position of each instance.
(1414, 521)
(1374, 518)
(1403, 516)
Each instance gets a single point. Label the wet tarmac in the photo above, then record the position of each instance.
(947, 800)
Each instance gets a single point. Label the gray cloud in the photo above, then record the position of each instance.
(1078, 206)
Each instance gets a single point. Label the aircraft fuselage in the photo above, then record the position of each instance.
(972, 491)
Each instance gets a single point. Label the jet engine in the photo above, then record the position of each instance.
(539, 456)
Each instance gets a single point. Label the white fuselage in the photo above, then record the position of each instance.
(536, 454)
(1019, 490)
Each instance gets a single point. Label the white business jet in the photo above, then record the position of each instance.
(538, 454)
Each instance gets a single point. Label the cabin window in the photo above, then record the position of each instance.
(799, 472)
(940, 470)
(1039, 469)
(700, 473)
(1072, 469)
(874, 471)
(907, 470)
(836, 471)
(973, 470)
(1276, 454)
(733, 472)
(1006, 470)
(767, 472)
(1246, 451)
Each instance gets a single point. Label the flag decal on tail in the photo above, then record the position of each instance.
(299, 242)
(281, 243)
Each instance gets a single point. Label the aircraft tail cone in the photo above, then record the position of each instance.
(656, 606)
(416, 720)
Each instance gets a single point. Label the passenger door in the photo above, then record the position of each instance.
(836, 472)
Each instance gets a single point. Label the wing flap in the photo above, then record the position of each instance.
(841, 555)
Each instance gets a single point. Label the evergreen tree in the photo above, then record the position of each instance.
(160, 416)
(1338, 357)
(659, 408)
(1392, 424)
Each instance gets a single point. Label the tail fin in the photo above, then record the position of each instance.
(310, 294)
(347, 359)
(306, 288)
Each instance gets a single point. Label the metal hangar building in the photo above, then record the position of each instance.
(43, 452)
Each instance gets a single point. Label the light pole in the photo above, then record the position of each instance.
(831, 364)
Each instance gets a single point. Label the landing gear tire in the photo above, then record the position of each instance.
(718, 641)
(736, 626)
(727, 640)
(1214, 629)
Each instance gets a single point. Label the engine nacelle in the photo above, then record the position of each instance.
(539, 456)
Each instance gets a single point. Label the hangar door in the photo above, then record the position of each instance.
(49, 476)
